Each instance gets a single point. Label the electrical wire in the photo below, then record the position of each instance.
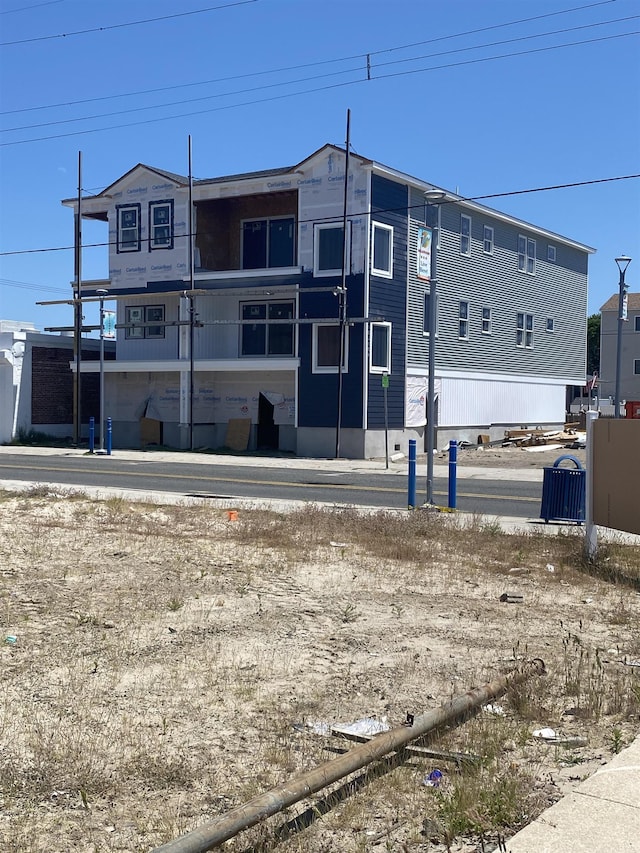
(137, 110)
(355, 215)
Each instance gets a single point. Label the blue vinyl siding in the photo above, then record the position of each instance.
(388, 301)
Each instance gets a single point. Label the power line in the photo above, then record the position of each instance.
(318, 77)
(457, 200)
(28, 8)
(322, 89)
(128, 24)
(24, 285)
(310, 64)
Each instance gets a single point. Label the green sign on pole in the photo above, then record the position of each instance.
(385, 380)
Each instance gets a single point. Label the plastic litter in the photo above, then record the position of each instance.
(11, 639)
(433, 779)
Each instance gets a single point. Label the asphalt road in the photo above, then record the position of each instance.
(226, 480)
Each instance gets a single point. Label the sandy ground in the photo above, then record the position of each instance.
(161, 665)
(514, 457)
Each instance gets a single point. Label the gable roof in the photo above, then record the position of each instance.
(633, 302)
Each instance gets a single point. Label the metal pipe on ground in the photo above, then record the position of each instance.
(265, 805)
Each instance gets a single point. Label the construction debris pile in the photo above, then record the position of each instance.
(568, 437)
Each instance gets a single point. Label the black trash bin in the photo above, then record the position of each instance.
(563, 492)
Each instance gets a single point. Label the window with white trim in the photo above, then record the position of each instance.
(487, 238)
(137, 318)
(380, 348)
(382, 250)
(526, 254)
(128, 227)
(487, 321)
(636, 366)
(637, 322)
(268, 243)
(327, 249)
(425, 316)
(524, 330)
(551, 254)
(465, 234)
(463, 319)
(550, 324)
(262, 337)
(161, 224)
(326, 348)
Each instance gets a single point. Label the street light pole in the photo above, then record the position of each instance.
(102, 293)
(432, 197)
(623, 262)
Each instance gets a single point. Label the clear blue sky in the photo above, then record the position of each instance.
(433, 108)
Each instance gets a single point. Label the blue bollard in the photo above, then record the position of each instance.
(453, 466)
(412, 474)
(92, 434)
(108, 436)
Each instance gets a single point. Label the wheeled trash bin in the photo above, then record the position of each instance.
(563, 492)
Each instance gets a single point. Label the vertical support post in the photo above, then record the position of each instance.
(342, 300)
(109, 436)
(385, 388)
(101, 293)
(622, 262)
(92, 434)
(411, 497)
(191, 306)
(77, 312)
(590, 529)
(453, 473)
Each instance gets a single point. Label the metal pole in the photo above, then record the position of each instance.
(385, 387)
(621, 319)
(412, 474)
(191, 298)
(77, 312)
(431, 384)
(101, 294)
(264, 805)
(453, 472)
(342, 303)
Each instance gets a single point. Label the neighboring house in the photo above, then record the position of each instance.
(629, 349)
(262, 305)
(36, 381)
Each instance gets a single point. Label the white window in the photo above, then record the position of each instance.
(488, 240)
(128, 217)
(551, 254)
(524, 330)
(425, 316)
(326, 348)
(380, 348)
(268, 243)
(526, 255)
(550, 324)
(138, 319)
(260, 335)
(161, 224)
(382, 250)
(463, 319)
(465, 234)
(487, 321)
(327, 249)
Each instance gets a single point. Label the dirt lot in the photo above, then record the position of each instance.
(514, 457)
(161, 665)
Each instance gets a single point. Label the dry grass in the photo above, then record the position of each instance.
(168, 662)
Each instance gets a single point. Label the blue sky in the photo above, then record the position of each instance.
(444, 103)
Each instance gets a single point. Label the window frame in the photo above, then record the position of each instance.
(318, 228)
(315, 367)
(636, 366)
(153, 205)
(266, 304)
(377, 368)
(487, 238)
(637, 323)
(380, 271)
(486, 322)
(526, 254)
(551, 254)
(463, 319)
(267, 220)
(524, 330)
(550, 325)
(465, 238)
(144, 332)
(120, 210)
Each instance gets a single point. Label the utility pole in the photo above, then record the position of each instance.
(342, 296)
(77, 311)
